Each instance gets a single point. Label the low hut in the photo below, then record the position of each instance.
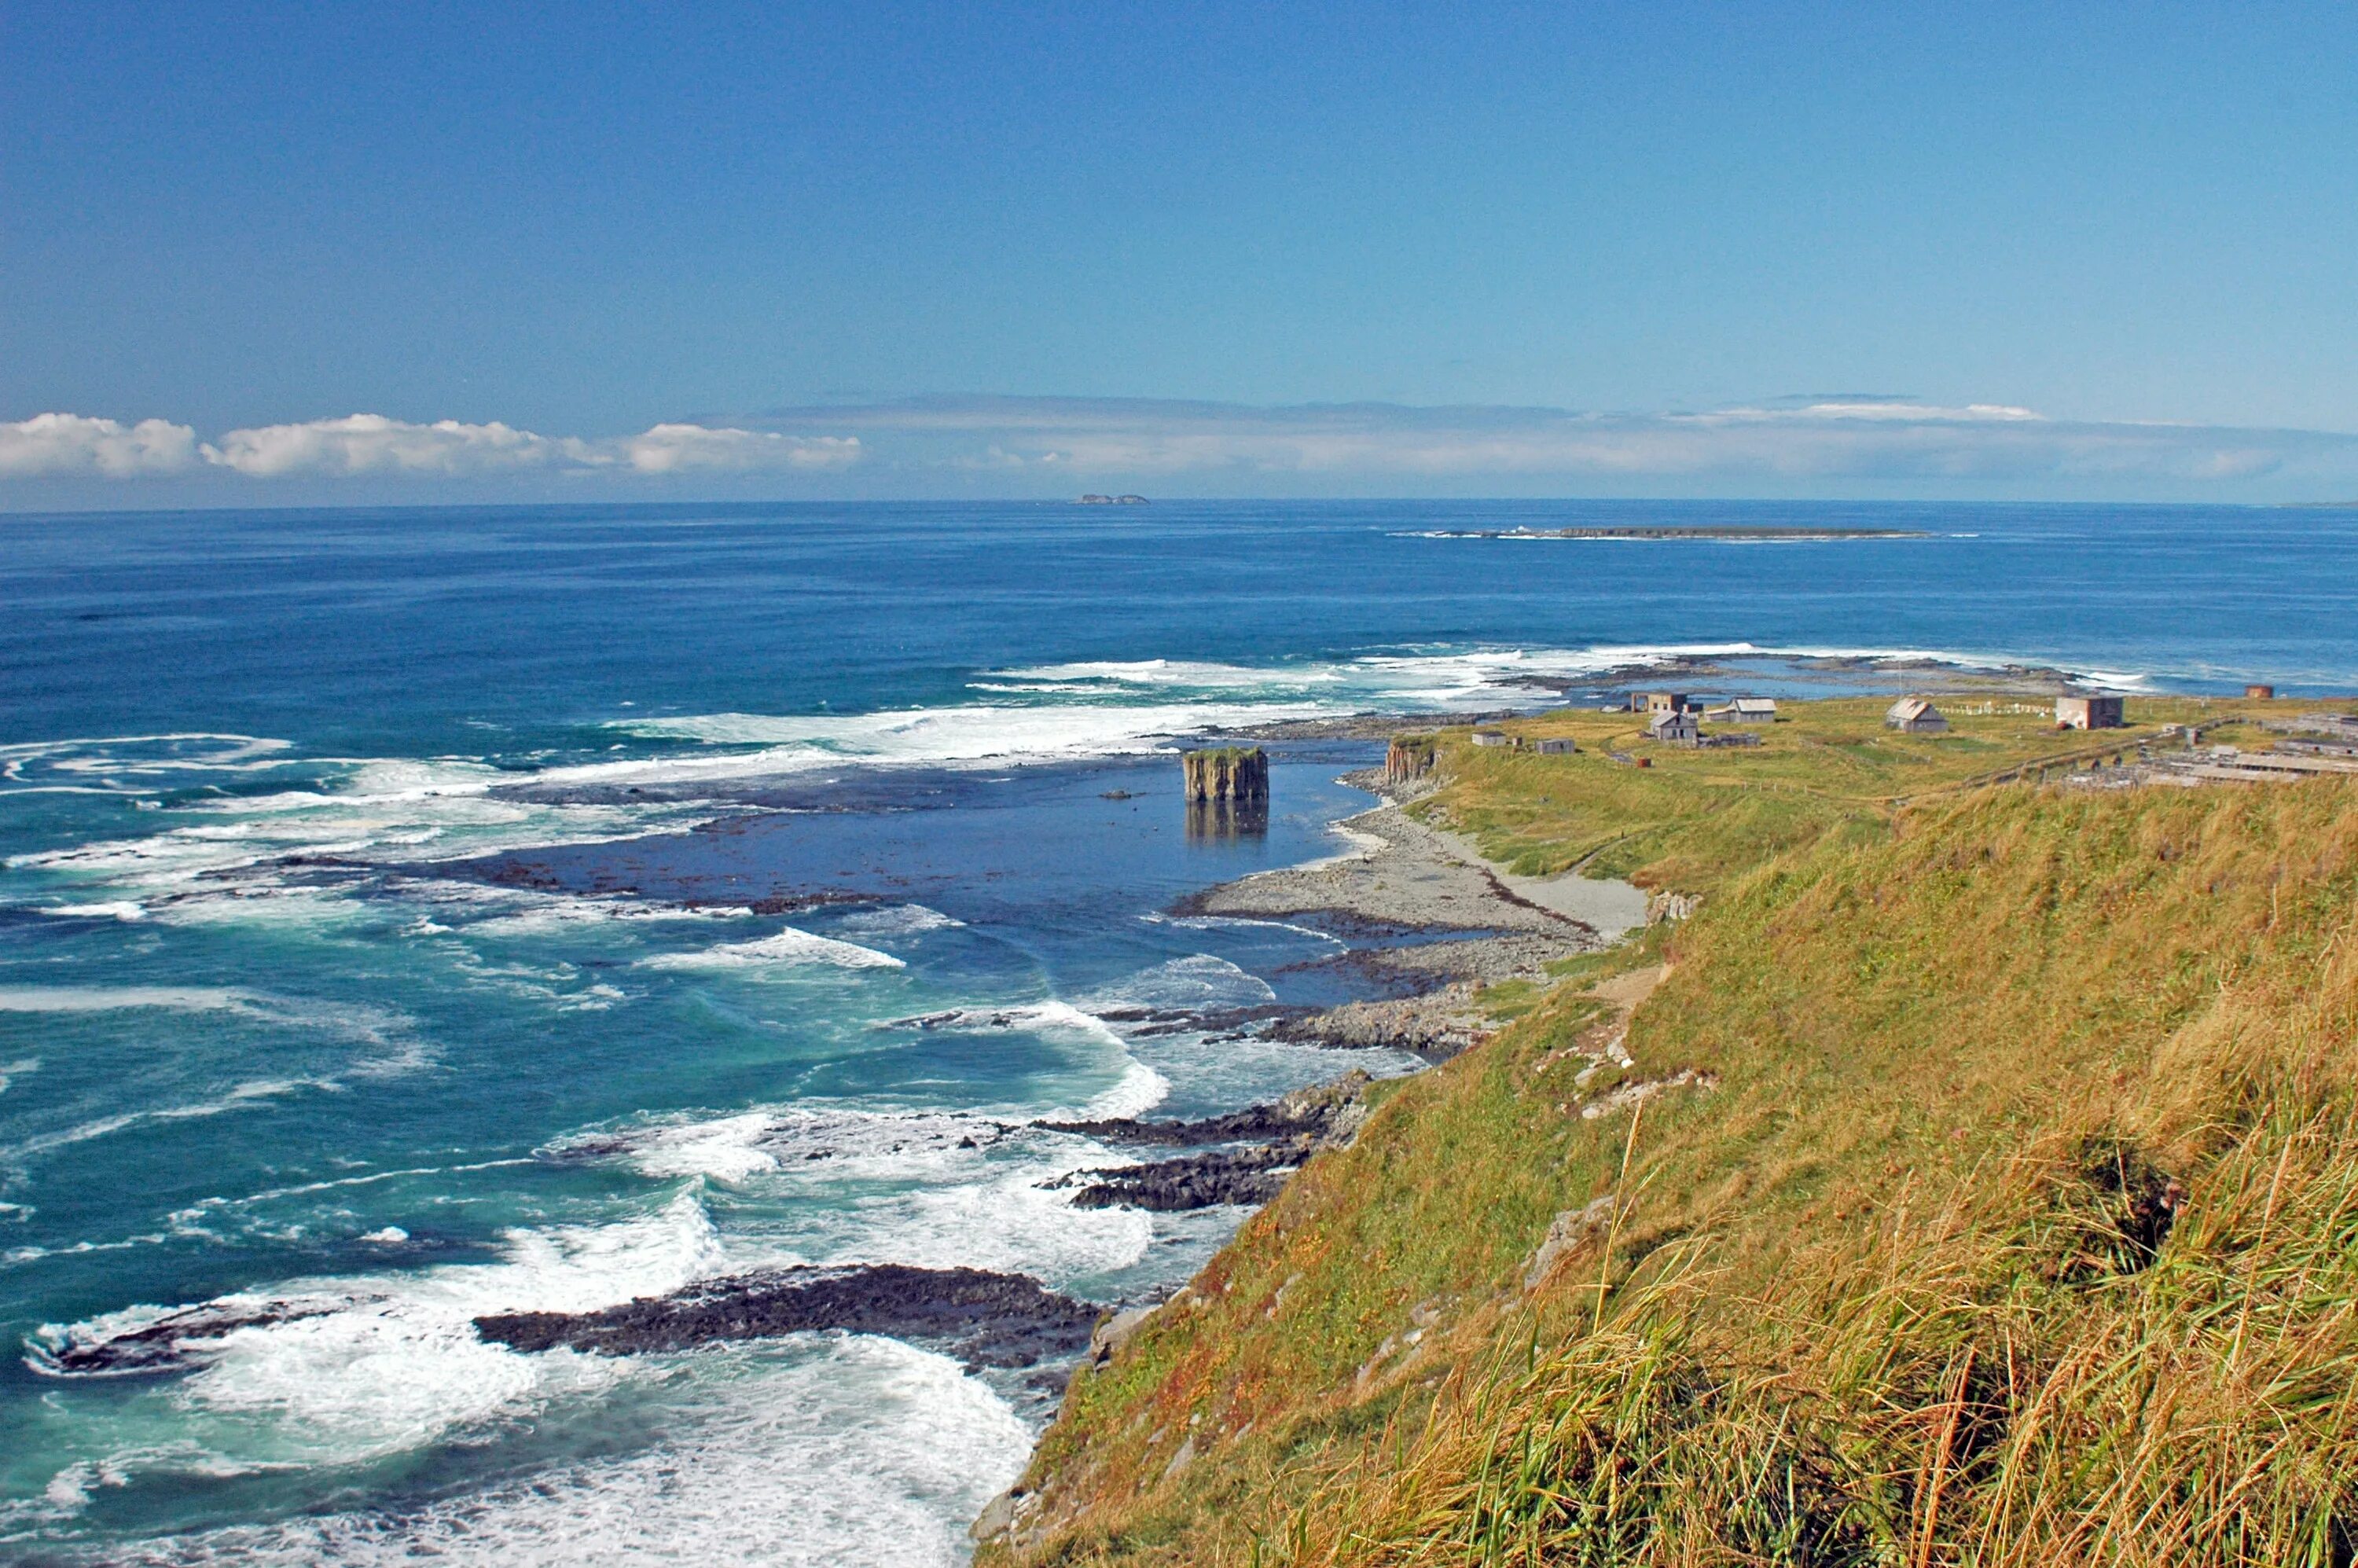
(1493, 737)
(1745, 710)
(2088, 713)
(1555, 746)
(1916, 716)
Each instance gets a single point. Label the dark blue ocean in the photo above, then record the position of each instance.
(410, 914)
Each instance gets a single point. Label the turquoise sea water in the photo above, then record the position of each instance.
(410, 915)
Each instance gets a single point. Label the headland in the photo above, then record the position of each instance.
(1957, 1165)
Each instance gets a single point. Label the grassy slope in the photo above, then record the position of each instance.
(1882, 1294)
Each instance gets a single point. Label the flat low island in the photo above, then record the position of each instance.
(1698, 531)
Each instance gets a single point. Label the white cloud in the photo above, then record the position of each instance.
(48, 445)
(682, 449)
(372, 444)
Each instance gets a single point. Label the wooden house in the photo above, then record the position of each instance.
(1916, 716)
(1674, 727)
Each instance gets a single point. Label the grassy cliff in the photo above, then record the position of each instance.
(1983, 1187)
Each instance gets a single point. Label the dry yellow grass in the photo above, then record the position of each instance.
(2020, 1225)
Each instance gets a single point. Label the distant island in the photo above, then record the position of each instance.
(1111, 501)
(1646, 530)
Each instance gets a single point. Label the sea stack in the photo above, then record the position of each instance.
(1227, 773)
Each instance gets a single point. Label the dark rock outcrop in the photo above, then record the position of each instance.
(1268, 1142)
(1247, 1175)
(985, 1319)
(1314, 1113)
(1436, 1025)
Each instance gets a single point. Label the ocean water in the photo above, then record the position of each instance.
(408, 914)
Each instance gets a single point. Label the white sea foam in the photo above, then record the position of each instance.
(727, 1151)
(982, 733)
(393, 1362)
(541, 914)
(1199, 980)
(216, 858)
(109, 999)
(1221, 922)
(787, 948)
(9, 1071)
(147, 757)
(896, 920)
(833, 1144)
(934, 1189)
(119, 909)
(855, 1452)
(1141, 1089)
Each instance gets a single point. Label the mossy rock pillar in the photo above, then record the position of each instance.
(1227, 773)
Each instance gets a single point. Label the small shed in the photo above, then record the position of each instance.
(2257, 693)
(1916, 716)
(1745, 710)
(1492, 738)
(1554, 746)
(1675, 726)
(2088, 713)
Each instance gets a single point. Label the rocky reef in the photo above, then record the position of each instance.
(984, 1319)
(177, 1341)
(1265, 1144)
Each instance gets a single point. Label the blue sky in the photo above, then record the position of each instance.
(943, 250)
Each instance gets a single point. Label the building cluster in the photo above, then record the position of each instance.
(1678, 719)
(1917, 715)
(1675, 718)
(1545, 745)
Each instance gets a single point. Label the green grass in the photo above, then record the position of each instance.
(1890, 1292)
(1696, 817)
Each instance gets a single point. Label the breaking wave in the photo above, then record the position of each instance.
(789, 946)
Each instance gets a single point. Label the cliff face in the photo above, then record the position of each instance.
(1408, 759)
(1227, 773)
